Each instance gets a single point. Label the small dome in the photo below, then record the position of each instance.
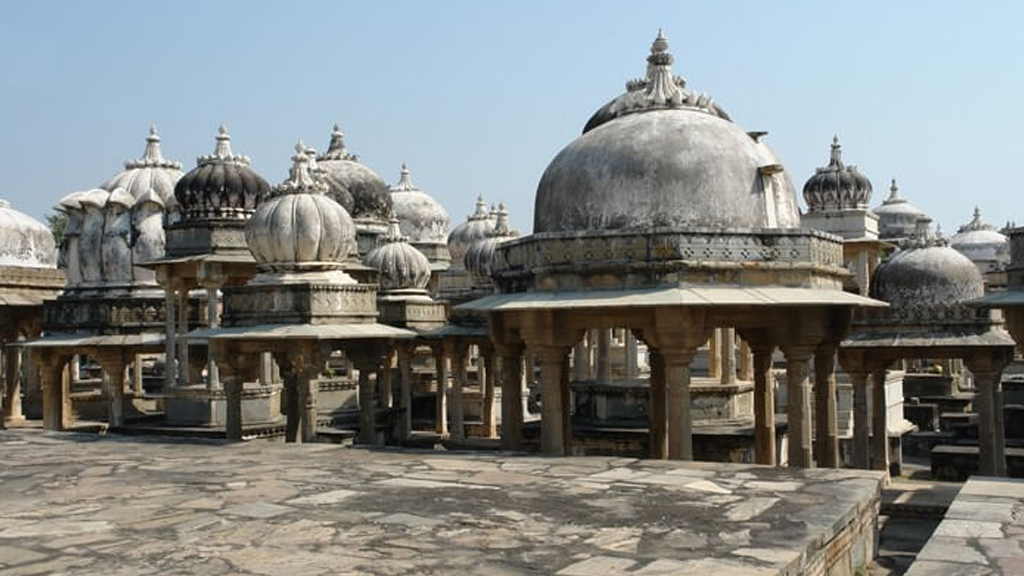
(476, 227)
(480, 255)
(982, 244)
(300, 226)
(837, 186)
(25, 241)
(400, 264)
(897, 218)
(421, 218)
(927, 280)
(151, 172)
(358, 189)
(221, 186)
(666, 159)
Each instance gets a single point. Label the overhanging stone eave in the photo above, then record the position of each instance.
(687, 296)
(328, 331)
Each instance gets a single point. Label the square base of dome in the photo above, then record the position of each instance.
(299, 303)
(208, 237)
(852, 224)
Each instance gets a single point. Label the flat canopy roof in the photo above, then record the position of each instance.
(62, 340)
(895, 339)
(370, 330)
(1008, 299)
(703, 296)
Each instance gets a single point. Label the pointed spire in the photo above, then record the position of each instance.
(501, 222)
(894, 194)
(300, 179)
(481, 209)
(223, 148)
(336, 150)
(976, 223)
(836, 156)
(661, 83)
(394, 232)
(152, 153)
(404, 181)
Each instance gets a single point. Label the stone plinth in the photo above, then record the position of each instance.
(299, 303)
(199, 406)
(268, 508)
(626, 403)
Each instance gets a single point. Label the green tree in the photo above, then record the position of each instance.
(57, 222)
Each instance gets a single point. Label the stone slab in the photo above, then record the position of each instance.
(131, 505)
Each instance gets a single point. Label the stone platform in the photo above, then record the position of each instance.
(79, 504)
(982, 533)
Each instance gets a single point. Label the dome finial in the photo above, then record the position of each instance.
(894, 193)
(223, 147)
(661, 83)
(405, 181)
(481, 209)
(336, 150)
(152, 153)
(394, 231)
(836, 156)
(501, 222)
(300, 179)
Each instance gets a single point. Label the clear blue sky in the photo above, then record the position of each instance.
(479, 96)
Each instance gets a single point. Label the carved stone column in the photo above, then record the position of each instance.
(552, 425)
(728, 347)
(658, 402)
(56, 396)
(580, 359)
(386, 393)
(798, 409)
(987, 367)
(12, 402)
(511, 396)
(879, 432)
(715, 354)
(137, 376)
(233, 369)
(457, 351)
(604, 355)
(632, 370)
(405, 390)
(113, 364)
(764, 405)
(566, 394)
(441, 402)
(826, 441)
(676, 364)
(212, 321)
(170, 344)
(861, 430)
(367, 410)
(746, 362)
(486, 371)
(183, 365)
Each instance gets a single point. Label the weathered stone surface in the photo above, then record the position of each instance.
(78, 504)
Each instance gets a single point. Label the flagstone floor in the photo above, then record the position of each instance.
(77, 504)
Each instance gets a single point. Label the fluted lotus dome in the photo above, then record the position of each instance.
(981, 243)
(476, 227)
(25, 241)
(837, 186)
(421, 218)
(401, 265)
(221, 186)
(661, 155)
(927, 280)
(358, 189)
(480, 254)
(300, 227)
(151, 172)
(897, 218)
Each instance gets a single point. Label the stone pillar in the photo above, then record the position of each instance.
(457, 409)
(728, 347)
(764, 406)
(12, 402)
(592, 354)
(213, 321)
(137, 376)
(266, 369)
(552, 426)
(291, 400)
(676, 364)
(511, 397)
(746, 362)
(632, 371)
(566, 395)
(991, 432)
(580, 358)
(715, 355)
(113, 366)
(170, 361)
(658, 427)
(307, 391)
(604, 355)
(183, 365)
(861, 434)
(405, 390)
(441, 402)
(367, 410)
(232, 378)
(487, 377)
(386, 400)
(798, 409)
(879, 434)
(56, 396)
(826, 433)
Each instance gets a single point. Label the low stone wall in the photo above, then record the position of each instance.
(982, 532)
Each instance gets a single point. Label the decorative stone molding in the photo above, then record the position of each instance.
(299, 303)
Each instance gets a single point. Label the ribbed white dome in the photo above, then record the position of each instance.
(401, 265)
(24, 241)
(476, 227)
(420, 217)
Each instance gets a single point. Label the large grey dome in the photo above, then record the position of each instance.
(480, 256)
(837, 186)
(25, 241)
(358, 189)
(221, 186)
(420, 217)
(666, 159)
(927, 280)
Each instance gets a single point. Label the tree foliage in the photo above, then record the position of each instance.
(57, 221)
